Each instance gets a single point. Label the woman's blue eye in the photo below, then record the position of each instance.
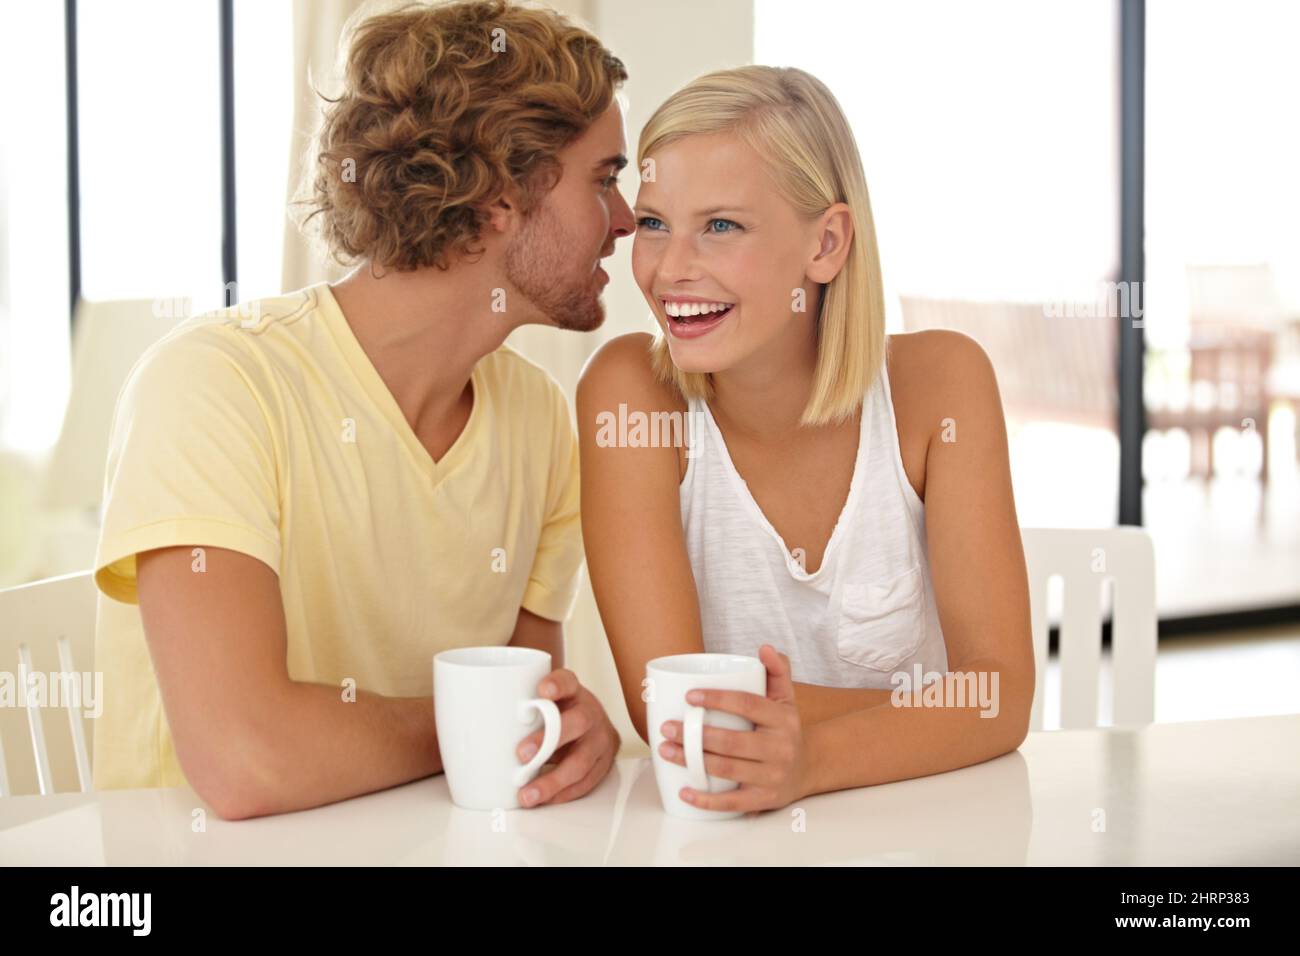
(650, 222)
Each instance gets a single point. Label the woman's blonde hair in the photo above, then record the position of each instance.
(793, 121)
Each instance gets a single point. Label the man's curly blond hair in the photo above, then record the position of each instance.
(443, 109)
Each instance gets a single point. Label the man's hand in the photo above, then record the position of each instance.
(588, 743)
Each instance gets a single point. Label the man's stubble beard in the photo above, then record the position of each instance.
(538, 264)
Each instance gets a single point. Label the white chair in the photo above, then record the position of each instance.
(1083, 558)
(46, 628)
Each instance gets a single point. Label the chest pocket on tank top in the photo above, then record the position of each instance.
(881, 622)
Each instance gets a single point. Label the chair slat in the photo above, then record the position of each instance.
(47, 629)
(1084, 558)
(75, 720)
(34, 725)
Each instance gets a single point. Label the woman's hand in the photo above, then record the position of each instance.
(769, 762)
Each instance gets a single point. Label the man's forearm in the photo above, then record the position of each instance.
(323, 748)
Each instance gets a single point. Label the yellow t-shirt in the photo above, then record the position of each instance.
(265, 429)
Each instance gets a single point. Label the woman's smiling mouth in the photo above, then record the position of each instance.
(690, 318)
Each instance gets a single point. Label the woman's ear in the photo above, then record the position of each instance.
(835, 233)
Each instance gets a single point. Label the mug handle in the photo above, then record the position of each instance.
(693, 748)
(550, 737)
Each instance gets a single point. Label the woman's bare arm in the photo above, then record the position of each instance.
(981, 589)
(631, 522)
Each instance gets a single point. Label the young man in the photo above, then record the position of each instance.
(311, 495)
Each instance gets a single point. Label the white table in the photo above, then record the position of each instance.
(1213, 793)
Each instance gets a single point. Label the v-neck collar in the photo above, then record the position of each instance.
(846, 512)
(373, 384)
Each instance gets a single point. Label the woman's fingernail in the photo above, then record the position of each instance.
(528, 751)
(530, 796)
(670, 731)
(695, 697)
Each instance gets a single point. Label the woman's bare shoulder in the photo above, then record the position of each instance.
(621, 368)
(933, 374)
(619, 380)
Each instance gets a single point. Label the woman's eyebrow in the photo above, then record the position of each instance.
(702, 214)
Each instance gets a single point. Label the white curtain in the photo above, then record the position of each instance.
(317, 26)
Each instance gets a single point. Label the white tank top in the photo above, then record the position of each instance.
(866, 613)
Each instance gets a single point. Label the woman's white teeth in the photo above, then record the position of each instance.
(688, 309)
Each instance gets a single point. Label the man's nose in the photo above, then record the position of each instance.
(622, 222)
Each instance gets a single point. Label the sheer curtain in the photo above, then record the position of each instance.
(317, 27)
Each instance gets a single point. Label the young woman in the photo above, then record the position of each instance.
(843, 507)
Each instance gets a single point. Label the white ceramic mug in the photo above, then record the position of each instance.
(668, 680)
(485, 702)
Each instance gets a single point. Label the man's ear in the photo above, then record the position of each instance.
(834, 231)
(502, 212)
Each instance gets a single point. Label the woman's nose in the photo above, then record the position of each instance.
(678, 262)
